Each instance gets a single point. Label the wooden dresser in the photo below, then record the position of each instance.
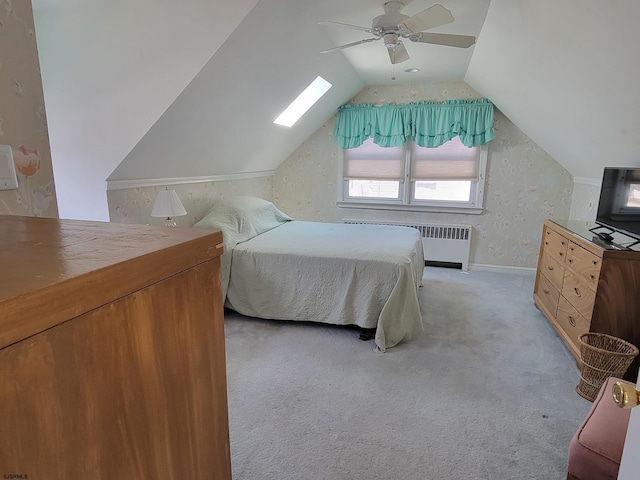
(584, 285)
(112, 352)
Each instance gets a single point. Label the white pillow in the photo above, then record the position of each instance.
(244, 216)
(240, 218)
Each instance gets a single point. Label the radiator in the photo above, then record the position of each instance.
(440, 243)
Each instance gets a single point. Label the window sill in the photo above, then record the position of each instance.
(411, 208)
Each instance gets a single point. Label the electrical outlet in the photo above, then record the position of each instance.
(8, 178)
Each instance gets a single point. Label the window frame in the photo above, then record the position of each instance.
(406, 200)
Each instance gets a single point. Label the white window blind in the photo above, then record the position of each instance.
(371, 162)
(450, 161)
(448, 178)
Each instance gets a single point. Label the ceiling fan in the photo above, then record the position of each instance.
(392, 26)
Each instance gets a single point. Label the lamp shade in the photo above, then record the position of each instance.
(167, 205)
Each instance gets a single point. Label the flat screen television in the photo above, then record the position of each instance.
(619, 204)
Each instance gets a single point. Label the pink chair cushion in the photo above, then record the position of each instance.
(596, 448)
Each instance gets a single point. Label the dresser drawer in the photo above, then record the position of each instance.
(599, 289)
(555, 245)
(571, 322)
(584, 264)
(554, 271)
(548, 294)
(578, 294)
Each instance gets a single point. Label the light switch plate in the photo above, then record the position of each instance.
(8, 178)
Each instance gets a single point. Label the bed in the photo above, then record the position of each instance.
(278, 268)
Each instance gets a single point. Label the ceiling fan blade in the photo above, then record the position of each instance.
(460, 41)
(359, 42)
(398, 53)
(347, 25)
(432, 17)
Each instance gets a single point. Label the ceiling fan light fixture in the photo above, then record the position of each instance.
(390, 40)
(392, 7)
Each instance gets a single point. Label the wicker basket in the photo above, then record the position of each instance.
(602, 356)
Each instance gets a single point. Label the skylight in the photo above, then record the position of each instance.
(305, 100)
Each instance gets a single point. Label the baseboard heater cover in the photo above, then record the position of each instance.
(442, 244)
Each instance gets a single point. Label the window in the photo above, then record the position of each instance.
(633, 201)
(449, 178)
(303, 102)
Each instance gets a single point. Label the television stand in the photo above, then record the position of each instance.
(587, 285)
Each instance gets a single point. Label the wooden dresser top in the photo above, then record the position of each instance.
(52, 270)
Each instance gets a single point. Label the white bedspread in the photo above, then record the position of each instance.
(366, 275)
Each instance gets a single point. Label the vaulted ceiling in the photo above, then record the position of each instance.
(148, 89)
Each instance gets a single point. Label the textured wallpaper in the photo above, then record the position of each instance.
(524, 185)
(134, 205)
(23, 123)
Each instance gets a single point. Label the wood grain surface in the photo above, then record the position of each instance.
(600, 290)
(133, 388)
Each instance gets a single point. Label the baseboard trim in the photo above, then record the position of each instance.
(480, 267)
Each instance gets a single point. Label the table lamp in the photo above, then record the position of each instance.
(168, 205)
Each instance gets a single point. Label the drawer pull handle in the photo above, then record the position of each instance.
(561, 243)
(550, 268)
(571, 260)
(592, 277)
(577, 292)
(595, 262)
(546, 292)
(560, 253)
(572, 322)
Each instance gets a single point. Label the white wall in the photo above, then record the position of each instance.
(566, 72)
(109, 70)
(584, 201)
(222, 123)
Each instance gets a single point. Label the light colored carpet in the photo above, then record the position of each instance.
(486, 392)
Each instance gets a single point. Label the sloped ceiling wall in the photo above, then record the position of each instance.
(563, 71)
(222, 123)
(109, 71)
(567, 73)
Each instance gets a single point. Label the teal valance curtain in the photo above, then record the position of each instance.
(430, 124)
